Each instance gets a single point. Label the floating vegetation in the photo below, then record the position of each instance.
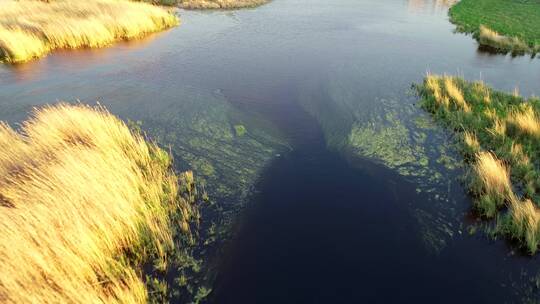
(499, 139)
(397, 136)
(227, 151)
(240, 130)
(407, 149)
(30, 29)
(387, 140)
(85, 204)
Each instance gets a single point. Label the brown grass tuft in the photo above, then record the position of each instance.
(78, 191)
(471, 141)
(494, 188)
(30, 29)
(455, 94)
(525, 223)
(491, 38)
(526, 121)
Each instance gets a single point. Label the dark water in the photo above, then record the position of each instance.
(349, 199)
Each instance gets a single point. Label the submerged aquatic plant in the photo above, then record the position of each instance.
(30, 29)
(84, 202)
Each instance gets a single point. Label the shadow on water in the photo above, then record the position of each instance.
(321, 231)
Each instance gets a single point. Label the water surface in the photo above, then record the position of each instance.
(352, 193)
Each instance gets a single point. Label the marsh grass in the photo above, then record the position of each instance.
(84, 203)
(489, 37)
(499, 139)
(504, 25)
(30, 29)
(491, 183)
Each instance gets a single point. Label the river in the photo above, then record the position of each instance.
(328, 184)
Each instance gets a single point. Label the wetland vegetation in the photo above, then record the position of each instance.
(294, 143)
(505, 25)
(31, 29)
(85, 205)
(498, 134)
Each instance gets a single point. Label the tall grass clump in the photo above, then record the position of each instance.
(526, 121)
(489, 37)
(523, 222)
(84, 203)
(492, 183)
(30, 28)
(498, 135)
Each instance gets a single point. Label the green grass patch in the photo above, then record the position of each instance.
(516, 23)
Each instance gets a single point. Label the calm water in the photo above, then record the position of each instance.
(351, 193)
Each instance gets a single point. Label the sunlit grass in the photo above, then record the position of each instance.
(506, 25)
(455, 94)
(472, 145)
(492, 179)
(30, 28)
(487, 36)
(83, 203)
(526, 121)
(524, 223)
(499, 138)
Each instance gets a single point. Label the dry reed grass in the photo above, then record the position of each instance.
(526, 121)
(471, 141)
(30, 29)
(495, 187)
(82, 202)
(455, 94)
(525, 222)
(491, 38)
(498, 129)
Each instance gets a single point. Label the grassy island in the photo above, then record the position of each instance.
(85, 203)
(30, 28)
(506, 25)
(220, 4)
(499, 137)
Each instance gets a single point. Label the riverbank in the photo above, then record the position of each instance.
(85, 204)
(507, 26)
(31, 29)
(498, 136)
(220, 4)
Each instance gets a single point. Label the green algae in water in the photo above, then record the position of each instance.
(227, 150)
(387, 140)
(240, 130)
(396, 134)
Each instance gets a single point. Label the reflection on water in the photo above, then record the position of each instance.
(429, 6)
(303, 108)
(79, 59)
